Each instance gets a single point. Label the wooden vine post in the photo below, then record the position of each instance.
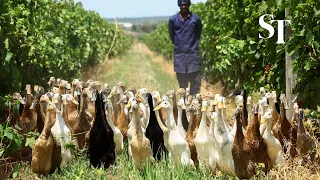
(290, 77)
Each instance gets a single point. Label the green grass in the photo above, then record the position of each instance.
(79, 169)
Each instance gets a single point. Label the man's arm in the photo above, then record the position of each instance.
(170, 29)
(198, 28)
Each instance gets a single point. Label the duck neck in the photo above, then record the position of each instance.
(52, 85)
(58, 105)
(174, 105)
(136, 121)
(62, 90)
(121, 120)
(171, 123)
(224, 114)
(192, 123)
(244, 109)
(282, 112)
(198, 120)
(28, 102)
(179, 120)
(64, 110)
(122, 107)
(249, 106)
(219, 117)
(84, 103)
(211, 128)
(294, 117)
(109, 119)
(46, 132)
(224, 117)
(301, 128)
(269, 127)
(147, 115)
(271, 104)
(253, 124)
(43, 107)
(203, 122)
(239, 132)
(73, 88)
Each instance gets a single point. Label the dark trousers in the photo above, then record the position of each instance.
(194, 79)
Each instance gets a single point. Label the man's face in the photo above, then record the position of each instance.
(184, 8)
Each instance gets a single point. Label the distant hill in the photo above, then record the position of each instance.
(142, 20)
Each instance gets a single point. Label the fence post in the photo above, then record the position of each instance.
(290, 77)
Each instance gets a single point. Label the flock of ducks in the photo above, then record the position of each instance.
(192, 130)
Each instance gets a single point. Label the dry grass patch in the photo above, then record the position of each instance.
(296, 169)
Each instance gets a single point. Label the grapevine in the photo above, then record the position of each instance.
(232, 51)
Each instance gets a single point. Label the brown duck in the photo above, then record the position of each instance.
(42, 149)
(284, 131)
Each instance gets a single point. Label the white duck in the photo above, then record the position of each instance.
(263, 106)
(144, 106)
(62, 134)
(205, 143)
(156, 99)
(178, 146)
(180, 106)
(274, 147)
(224, 142)
(117, 135)
(213, 119)
(224, 116)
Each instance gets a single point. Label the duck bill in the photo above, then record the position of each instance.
(215, 119)
(203, 109)
(74, 101)
(33, 105)
(263, 120)
(219, 105)
(159, 99)
(157, 108)
(183, 106)
(128, 105)
(22, 101)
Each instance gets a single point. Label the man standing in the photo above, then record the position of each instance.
(185, 30)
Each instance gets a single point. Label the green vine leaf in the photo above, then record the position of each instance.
(6, 43)
(8, 57)
(9, 133)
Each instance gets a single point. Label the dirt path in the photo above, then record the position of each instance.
(141, 67)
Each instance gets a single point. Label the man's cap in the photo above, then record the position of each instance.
(188, 2)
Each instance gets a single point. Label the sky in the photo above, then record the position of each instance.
(137, 8)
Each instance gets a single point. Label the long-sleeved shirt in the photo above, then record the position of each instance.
(185, 35)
